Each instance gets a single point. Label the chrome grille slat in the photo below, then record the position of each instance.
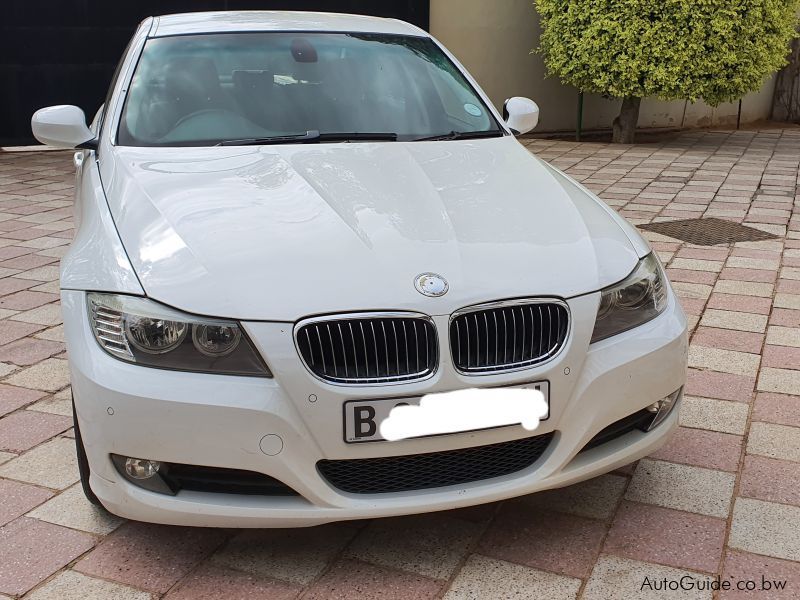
(321, 351)
(385, 345)
(114, 332)
(396, 349)
(514, 330)
(368, 349)
(333, 352)
(375, 347)
(533, 331)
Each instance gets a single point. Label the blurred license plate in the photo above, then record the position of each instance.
(363, 418)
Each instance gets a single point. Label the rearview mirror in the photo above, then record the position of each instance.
(521, 114)
(61, 126)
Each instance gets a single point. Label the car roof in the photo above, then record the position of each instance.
(232, 21)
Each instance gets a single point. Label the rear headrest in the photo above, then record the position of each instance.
(256, 81)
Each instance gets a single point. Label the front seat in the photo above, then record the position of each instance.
(191, 84)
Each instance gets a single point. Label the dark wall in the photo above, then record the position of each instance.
(65, 51)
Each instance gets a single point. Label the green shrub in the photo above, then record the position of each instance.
(717, 50)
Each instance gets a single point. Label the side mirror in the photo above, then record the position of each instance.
(62, 126)
(521, 114)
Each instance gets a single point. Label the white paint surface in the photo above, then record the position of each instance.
(465, 410)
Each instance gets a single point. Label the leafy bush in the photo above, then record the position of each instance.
(717, 50)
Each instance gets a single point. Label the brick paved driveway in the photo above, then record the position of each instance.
(722, 498)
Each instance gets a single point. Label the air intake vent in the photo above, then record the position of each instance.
(365, 349)
(507, 336)
(434, 469)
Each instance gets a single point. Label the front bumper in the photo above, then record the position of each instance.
(220, 421)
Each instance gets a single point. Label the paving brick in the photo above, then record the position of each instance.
(771, 480)
(740, 303)
(31, 551)
(29, 351)
(682, 487)
(777, 408)
(745, 567)
(615, 578)
(709, 449)
(783, 336)
(51, 464)
(752, 263)
(352, 579)
(691, 276)
(790, 301)
(49, 375)
(739, 321)
(436, 547)
(294, 555)
(71, 509)
(775, 441)
(668, 537)
(750, 275)
(9, 252)
(26, 300)
(29, 261)
(212, 583)
(19, 498)
(689, 264)
(692, 290)
(70, 585)
(718, 254)
(12, 398)
(781, 357)
(559, 543)
(14, 330)
(46, 273)
(150, 557)
(782, 381)
(762, 528)
(724, 386)
(595, 498)
(483, 577)
(724, 361)
(25, 429)
(707, 413)
(47, 314)
(49, 287)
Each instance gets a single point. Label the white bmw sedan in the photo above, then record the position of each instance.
(293, 228)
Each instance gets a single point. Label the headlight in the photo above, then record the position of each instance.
(642, 296)
(144, 332)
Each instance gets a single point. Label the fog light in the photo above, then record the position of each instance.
(140, 468)
(662, 408)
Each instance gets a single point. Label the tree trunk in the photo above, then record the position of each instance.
(625, 123)
(786, 101)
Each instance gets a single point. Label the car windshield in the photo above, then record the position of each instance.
(244, 88)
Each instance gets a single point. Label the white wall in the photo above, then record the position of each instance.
(494, 39)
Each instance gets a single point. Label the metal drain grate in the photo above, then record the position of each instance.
(708, 232)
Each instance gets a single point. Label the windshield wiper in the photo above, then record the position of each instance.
(358, 136)
(302, 138)
(310, 137)
(460, 135)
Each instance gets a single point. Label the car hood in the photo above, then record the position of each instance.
(283, 232)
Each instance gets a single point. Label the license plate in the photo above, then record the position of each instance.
(363, 418)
